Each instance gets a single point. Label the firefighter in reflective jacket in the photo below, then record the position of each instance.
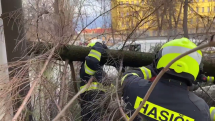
(91, 98)
(171, 99)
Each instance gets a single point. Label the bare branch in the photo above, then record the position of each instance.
(117, 95)
(72, 100)
(33, 86)
(63, 86)
(73, 77)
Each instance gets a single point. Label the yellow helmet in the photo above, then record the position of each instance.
(94, 42)
(91, 44)
(188, 64)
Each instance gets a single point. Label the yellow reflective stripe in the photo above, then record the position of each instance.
(160, 113)
(126, 116)
(146, 72)
(88, 70)
(123, 78)
(212, 113)
(93, 86)
(210, 79)
(97, 86)
(95, 54)
(177, 49)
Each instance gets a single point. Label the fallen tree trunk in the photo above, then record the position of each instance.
(210, 90)
(130, 58)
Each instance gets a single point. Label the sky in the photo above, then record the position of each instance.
(92, 9)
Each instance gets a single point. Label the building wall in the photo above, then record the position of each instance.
(128, 13)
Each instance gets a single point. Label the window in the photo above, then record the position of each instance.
(197, 20)
(208, 9)
(143, 13)
(197, 9)
(122, 24)
(132, 22)
(127, 23)
(202, 9)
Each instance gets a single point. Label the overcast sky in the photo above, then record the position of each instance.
(92, 9)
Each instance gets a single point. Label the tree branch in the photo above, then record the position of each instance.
(73, 99)
(117, 95)
(33, 85)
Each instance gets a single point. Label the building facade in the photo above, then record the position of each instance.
(163, 18)
(104, 34)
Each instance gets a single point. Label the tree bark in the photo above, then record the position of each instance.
(130, 58)
(13, 31)
(210, 90)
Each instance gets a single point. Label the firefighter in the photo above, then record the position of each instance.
(171, 99)
(91, 98)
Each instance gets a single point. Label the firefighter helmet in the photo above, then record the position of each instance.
(188, 64)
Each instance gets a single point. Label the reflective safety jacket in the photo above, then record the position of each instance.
(169, 101)
(92, 67)
(146, 72)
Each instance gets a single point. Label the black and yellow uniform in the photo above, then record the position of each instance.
(147, 72)
(91, 98)
(170, 100)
